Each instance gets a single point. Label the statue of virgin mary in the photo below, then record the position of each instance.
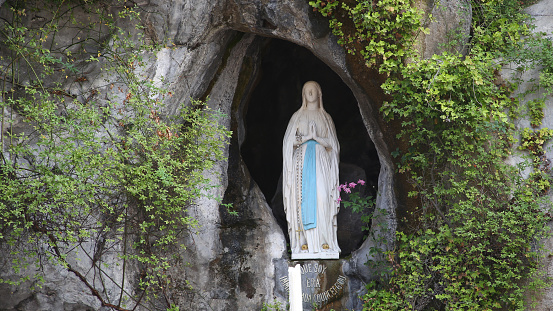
(310, 179)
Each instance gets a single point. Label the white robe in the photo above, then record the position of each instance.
(327, 182)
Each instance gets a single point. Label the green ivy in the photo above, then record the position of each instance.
(381, 31)
(472, 237)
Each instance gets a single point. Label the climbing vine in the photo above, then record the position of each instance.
(90, 169)
(471, 238)
(381, 31)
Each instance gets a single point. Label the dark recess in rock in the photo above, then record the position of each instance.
(245, 281)
(285, 67)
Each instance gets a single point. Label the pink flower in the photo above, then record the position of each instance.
(361, 182)
(352, 184)
(347, 190)
(339, 199)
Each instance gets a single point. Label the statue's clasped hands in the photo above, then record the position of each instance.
(312, 135)
(312, 132)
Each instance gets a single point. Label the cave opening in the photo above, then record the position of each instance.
(284, 68)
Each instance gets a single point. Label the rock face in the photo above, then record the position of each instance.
(231, 278)
(448, 30)
(542, 13)
(218, 50)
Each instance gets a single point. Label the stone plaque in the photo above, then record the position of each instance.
(318, 286)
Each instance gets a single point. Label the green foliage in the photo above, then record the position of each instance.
(533, 53)
(382, 299)
(96, 170)
(472, 239)
(533, 141)
(470, 247)
(353, 199)
(275, 306)
(173, 308)
(379, 30)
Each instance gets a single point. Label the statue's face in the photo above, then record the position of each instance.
(311, 93)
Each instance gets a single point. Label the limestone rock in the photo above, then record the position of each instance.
(215, 49)
(448, 28)
(542, 13)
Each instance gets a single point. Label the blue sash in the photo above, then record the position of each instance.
(309, 187)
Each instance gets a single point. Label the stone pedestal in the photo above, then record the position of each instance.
(323, 284)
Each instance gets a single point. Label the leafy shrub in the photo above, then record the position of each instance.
(91, 173)
(472, 238)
